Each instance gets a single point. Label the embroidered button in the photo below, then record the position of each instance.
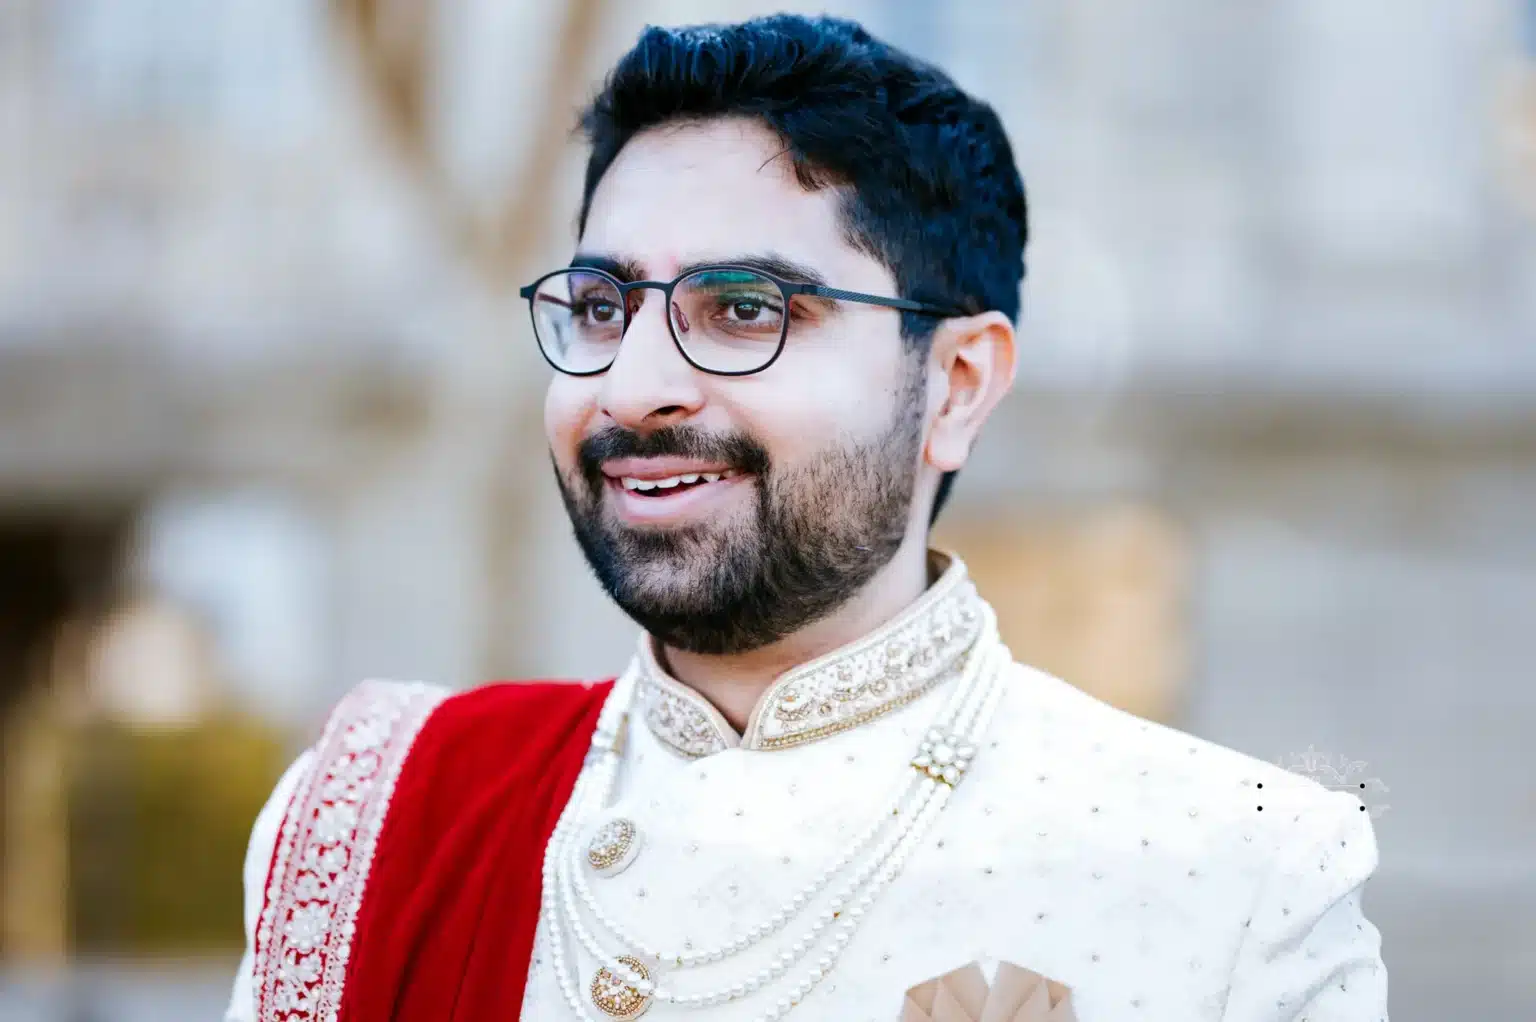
(616, 998)
(613, 847)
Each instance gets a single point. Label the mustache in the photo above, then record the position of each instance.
(735, 450)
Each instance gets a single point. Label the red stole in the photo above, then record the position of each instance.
(405, 883)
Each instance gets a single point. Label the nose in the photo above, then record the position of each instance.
(650, 384)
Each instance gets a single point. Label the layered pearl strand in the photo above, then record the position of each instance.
(941, 761)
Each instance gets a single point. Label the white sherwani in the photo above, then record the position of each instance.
(1128, 861)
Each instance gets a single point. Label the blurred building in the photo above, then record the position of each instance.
(1269, 474)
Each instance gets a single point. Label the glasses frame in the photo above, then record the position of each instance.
(788, 289)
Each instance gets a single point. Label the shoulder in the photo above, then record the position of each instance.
(1231, 854)
(537, 705)
(1196, 796)
(377, 713)
(442, 726)
(384, 740)
(378, 724)
(365, 737)
(380, 712)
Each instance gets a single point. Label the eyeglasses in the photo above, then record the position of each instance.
(726, 320)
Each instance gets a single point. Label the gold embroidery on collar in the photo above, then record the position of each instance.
(679, 716)
(867, 679)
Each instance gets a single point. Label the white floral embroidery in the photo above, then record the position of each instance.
(308, 926)
(325, 848)
(312, 887)
(301, 969)
(351, 773)
(291, 1001)
(327, 861)
(335, 822)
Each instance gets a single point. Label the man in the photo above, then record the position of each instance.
(822, 780)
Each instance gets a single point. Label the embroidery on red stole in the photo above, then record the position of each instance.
(405, 882)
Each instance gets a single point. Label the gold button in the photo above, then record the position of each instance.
(616, 998)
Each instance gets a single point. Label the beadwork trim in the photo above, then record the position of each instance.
(326, 847)
(875, 712)
(857, 683)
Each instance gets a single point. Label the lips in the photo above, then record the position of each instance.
(647, 495)
(658, 469)
(660, 486)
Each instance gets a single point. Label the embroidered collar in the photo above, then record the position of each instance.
(866, 679)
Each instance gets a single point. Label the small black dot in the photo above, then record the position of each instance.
(1261, 809)
(1362, 809)
(1362, 785)
(1261, 784)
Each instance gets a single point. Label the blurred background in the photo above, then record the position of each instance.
(270, 422)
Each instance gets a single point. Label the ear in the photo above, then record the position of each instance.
(970, 367)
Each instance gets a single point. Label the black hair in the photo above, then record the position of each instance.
(929, 177)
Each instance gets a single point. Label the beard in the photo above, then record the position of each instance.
(817, 534)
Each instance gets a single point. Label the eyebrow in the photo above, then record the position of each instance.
(629, 270)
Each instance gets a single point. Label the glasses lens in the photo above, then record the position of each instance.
(578, 318)
(729, 321)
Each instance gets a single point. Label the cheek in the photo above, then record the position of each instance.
(567, 410)
(820, 404)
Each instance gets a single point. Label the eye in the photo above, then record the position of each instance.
(596, 310)
(737, 303)
(746, 309)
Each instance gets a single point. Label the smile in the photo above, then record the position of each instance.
(660, 487)
(680, 499)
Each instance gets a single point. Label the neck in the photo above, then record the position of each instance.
(735, 682)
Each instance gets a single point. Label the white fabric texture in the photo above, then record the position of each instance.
(1124, 859)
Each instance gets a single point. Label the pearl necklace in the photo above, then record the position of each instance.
(941, 761)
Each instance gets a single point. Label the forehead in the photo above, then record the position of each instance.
(697, 191)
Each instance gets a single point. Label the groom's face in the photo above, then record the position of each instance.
(797, 481)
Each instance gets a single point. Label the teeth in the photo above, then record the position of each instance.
(630, 483)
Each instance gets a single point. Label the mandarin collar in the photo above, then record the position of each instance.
(857, 683)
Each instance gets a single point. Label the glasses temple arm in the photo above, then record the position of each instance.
(893, 303)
